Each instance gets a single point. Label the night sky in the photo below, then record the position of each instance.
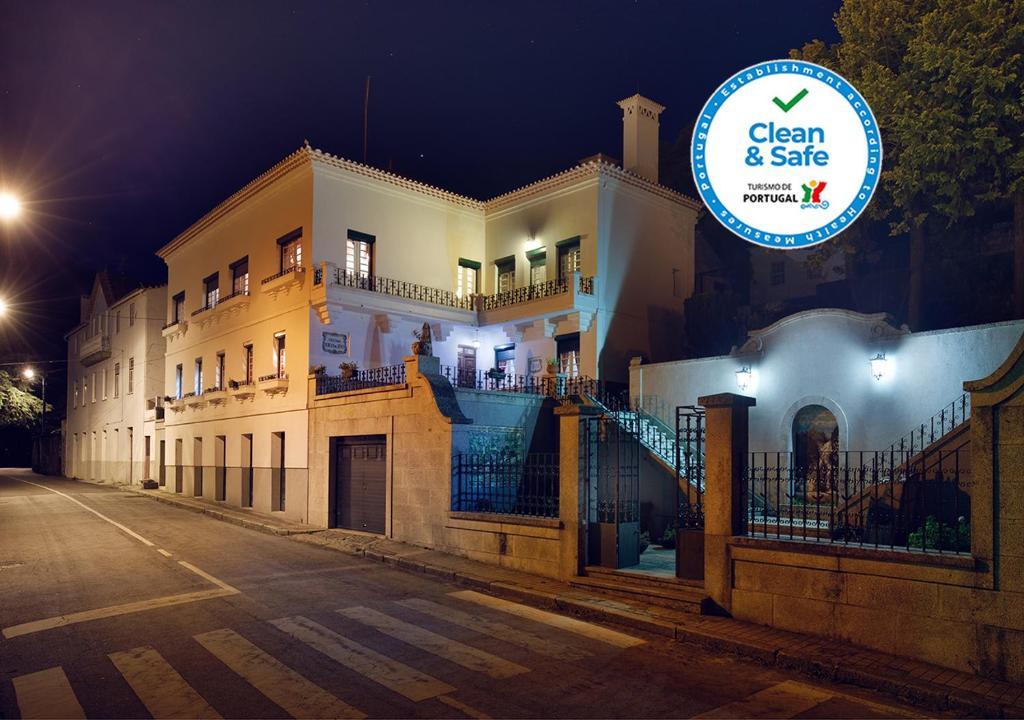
(121, 123)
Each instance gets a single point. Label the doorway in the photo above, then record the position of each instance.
(359, 482)
(467, 366)
(815, 453)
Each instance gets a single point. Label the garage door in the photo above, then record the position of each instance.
(359, 483)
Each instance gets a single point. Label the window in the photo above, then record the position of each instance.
(218, 372)
(117, 379)
(569, 258)
(505, 359)
(94, 387)
(778, 273)
(291, 250)
(85, 388)
(211, 290)
(131, 375)
(240, 276)
(75, 401)
(279, 356)
(131, 314)
(199, 376)
(178, 373)
(538, 267)
(104, 383)
(359, 253)
(468, 278)
(178, 308)
(506, 269)
(569, 354)
(247, 352)
(117, 322)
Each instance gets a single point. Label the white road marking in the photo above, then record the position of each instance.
(589, 630)
(98, 514)
(464, 708)
(293, 693)
(392, 674)
(163, 552)
(112, 611)
(456, 652)
(501, 631)
(209, 578)
(46, 694)
(784, 700)
(163, 691)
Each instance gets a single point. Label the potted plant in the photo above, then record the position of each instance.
(348, 370)
(552, 366)
(317, 369)
(668, 538)
(496, 374)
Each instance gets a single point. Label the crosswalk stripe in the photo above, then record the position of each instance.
(464, 708)
(495, 629)
(295, 694)
(392, 674)
(589, 630)
(163, 691)
(784, 700)
(46, 694)
(456, 652)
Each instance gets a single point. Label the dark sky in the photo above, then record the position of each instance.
(121, 123)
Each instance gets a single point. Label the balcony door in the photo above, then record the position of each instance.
(359, 255)
(467, 366)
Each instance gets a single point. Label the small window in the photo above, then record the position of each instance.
(104, 383)
(569, 258)
(778, 273)
(178, 378)
(131, 375)
(538, 267)
(291, 250)
(247, 352)
(240, 276)
(218, 372)
(359, 253)
(117, 379)
(211, 290)
(75, 401)
(178, 308)
(117, 322)
(131, 315)
(468, 278)
(506, 273)
(505, 358)
(198, 384)
(280, 368)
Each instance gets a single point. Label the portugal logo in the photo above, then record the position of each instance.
(786, 154)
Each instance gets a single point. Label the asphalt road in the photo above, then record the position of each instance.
(112, 605)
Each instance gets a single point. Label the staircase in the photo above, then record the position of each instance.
(669, 592)
(660, 443)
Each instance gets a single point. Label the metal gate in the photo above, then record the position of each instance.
(359, 483)
(689, 464)
(610, 467)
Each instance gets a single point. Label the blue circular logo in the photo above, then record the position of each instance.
(786, 154)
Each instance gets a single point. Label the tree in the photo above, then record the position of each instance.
(18, 407)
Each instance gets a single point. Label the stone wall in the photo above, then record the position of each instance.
(421, 422)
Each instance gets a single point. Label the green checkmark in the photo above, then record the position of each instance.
(787, 106)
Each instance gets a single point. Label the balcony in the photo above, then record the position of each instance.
(194, 400)
(240, 390)
(235, 302)
(284, 282)
(154, 410)
(273, 384)
(566, 299)
(174, 328)
(95, 349)
(215, 395)
(336, 288)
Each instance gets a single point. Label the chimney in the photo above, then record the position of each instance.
(640, 136)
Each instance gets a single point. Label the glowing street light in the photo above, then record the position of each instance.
(10, 206)
(3, 307)
(29, 373)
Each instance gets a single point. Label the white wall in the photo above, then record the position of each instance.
(822, 357)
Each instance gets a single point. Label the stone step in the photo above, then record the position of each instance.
(670, 595)
(640, 578)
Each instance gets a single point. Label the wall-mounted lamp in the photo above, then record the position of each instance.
(476, 338)
(879, 366)
(744, 376)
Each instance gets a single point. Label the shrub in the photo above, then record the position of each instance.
(935, 534)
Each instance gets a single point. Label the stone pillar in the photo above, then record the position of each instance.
(725, 456)
(572, 494)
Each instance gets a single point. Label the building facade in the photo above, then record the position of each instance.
(115, 374)
(326, 266)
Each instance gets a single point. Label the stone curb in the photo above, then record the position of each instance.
(816, 666)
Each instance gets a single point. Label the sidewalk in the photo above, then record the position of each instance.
(921, 684)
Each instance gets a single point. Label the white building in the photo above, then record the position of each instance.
(115, 372)
(322, 261)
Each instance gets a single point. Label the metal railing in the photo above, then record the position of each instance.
(361, 380)
(273, 376)
(525, 293)
(506, 484)
(690, 435)
(402, 289)
(495, 382)
(880, 499)
(586, 285)
(203, 309)
(286, 271)
(937, 426)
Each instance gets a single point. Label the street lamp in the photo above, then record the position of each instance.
(29, 374)
(3, 307)
(10, 206)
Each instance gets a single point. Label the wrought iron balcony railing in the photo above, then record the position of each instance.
(518, 295)
(273, 376)
(286, 271)
(401, 288)
(361, 380)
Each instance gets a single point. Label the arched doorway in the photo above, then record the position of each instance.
(815, 452)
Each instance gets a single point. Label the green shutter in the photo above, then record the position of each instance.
(471, 264)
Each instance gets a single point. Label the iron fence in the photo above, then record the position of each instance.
(286, 271)
(690, 433)
(498, 382)
(938, 425)
(550, 288)
(402, 289)
(361, 379)
(880, 499)
(506, 484)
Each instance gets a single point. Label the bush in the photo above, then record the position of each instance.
(952, 538)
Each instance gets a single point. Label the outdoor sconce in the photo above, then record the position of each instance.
(476, 338)
(743, 377)
(879, 365)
